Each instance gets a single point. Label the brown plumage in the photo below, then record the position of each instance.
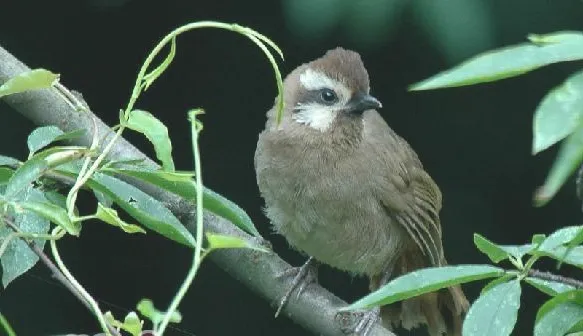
(344, 188)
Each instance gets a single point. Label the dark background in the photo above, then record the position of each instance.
(474, 141)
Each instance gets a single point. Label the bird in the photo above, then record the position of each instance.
(342, 187)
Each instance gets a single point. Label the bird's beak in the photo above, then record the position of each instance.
(363, 102)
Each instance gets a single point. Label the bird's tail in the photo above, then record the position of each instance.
(441, 311)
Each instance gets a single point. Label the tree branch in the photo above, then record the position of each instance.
(315, 309)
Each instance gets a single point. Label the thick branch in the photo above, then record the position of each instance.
(315, 309)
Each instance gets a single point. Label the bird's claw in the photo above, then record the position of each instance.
(358, 323)
(302, 277)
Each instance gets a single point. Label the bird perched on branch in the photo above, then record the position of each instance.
(341, 186)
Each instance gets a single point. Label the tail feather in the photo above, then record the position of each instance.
(441, 311)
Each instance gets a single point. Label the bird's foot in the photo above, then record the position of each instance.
(302, 277)
(364, 325)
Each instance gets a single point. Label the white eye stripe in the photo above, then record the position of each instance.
(315, 80)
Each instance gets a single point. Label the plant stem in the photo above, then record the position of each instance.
(92, 303)
(199, 230)
(6, 326)
(556, 278)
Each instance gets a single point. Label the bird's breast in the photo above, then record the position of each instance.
(325, 207)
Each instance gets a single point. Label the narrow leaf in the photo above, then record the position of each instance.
(509, 62)
(8, 161)
(424, 281)
(182, 184)
(495, 312)
(42, 136)
(144, 208)
(559, 113)
(38, 164)
(55, 214)
(152, 76)
(46, 135)
(156, 132)
(30, 80)
(110, 216)
(567, 161)
(27, 173)
(497, 253)
(217, 241)
(493, 251)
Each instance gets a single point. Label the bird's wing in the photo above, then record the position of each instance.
(407, 192)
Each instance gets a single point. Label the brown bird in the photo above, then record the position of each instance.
(341, 186)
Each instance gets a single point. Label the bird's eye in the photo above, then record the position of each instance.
(328, 96)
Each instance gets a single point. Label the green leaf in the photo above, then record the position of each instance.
(221, 206)
(559, 113)
(494, 313)
(27, 173)
(38, 164)
(182, 184)
(551, 288)
(42, 136)
(217, 241)
(132, 324)
(18, 258)
(55, 214)
(572, 256)
(150, 212)
(509, 62)
(497, 253)
(497, 281)
(46, 135)
(110, 216)
(424, 281)
(559, 314)
(146, 308)
(493, 251)
(8, 161)
(152, 76)
(5, 175)
(56, 198)
(30, 80)
(103, 199)
(560, 237)
(537, 239)
(567, 161)
(156, 132)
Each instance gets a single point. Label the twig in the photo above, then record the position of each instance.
(57, 274)
(556, 278)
